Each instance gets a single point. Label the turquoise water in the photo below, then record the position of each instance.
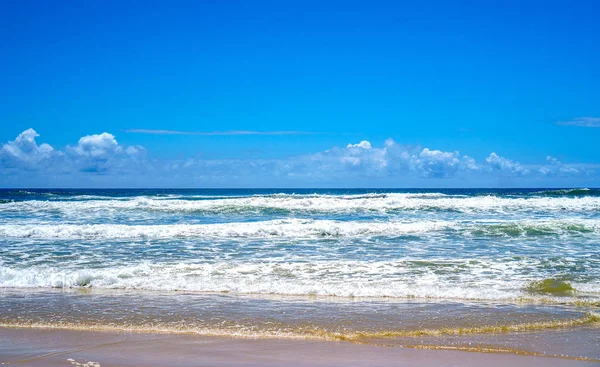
(279, 260)
(462, 244)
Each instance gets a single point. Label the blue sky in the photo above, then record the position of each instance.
(274, 94)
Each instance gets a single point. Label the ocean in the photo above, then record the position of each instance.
(500, 270)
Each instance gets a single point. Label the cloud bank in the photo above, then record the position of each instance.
(99, 160)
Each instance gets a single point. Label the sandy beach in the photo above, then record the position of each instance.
(46, 347)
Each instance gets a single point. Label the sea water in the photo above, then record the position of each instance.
(475, 269)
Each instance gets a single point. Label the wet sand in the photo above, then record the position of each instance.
(47, 347)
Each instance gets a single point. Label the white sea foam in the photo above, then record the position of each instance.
(469, 279)
(318, 203)
(297, 229)
(290, 228)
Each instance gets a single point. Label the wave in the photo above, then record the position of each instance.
(314, 204)
(569, 192)
(534, 228)
(463, 279)
(288, 228)
(299, 229)
(589, 318)
(551, 286)
(315, 332)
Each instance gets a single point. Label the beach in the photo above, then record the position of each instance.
(299, 183)
(304, 277)
(43, 347)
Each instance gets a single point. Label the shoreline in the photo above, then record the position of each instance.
(531, 299)
(51, 347)
(425, 327)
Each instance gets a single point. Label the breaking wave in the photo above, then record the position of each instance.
(460, 279)
(298, 229)
(285, 203)
(569, 192)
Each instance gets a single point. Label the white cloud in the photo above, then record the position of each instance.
(133, 150)
(97, 146)
(100, 157)
(24, 149)
(393, 159)
(101, 153)
(497, 162)
(470, 164)
(98, 153)
(102, 147)
(363, 144)
(435, 163)
(556, 168)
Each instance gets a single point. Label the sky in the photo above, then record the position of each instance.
(299, 93)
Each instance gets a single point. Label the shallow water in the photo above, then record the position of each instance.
(445, 266)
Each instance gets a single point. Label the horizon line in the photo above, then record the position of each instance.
(303, 188)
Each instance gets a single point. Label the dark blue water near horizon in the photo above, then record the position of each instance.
(30, 193)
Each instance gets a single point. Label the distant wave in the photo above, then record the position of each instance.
(569, 192)
(318, 203)
(298, 229)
